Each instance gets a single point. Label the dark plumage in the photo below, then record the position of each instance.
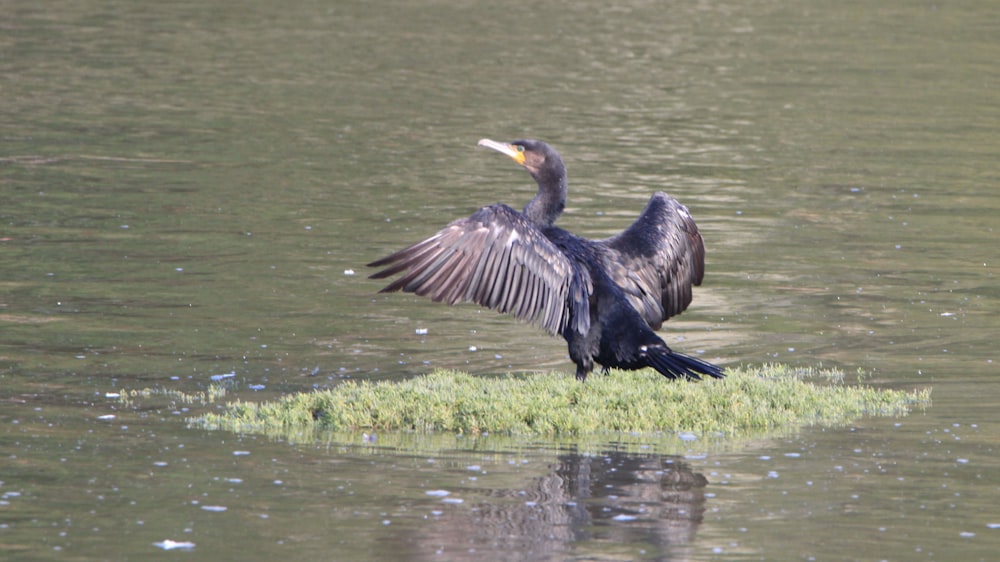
(606, 297)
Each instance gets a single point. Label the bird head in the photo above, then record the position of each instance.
(537, 157)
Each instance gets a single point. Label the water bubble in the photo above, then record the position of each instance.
(168, 544)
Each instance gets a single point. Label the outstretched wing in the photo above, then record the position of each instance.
(658, 259)
(494, 258)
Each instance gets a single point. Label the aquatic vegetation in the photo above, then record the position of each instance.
(214, 393)
(749, 400)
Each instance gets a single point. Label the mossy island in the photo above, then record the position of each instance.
(750, 400)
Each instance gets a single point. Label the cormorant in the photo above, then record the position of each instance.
(605, 297)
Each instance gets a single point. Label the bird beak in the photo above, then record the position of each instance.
(508, 149)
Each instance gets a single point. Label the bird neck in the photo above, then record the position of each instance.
(550, 200)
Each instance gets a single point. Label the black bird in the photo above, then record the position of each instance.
(606, 297)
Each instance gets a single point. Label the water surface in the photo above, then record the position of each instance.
(192, 189)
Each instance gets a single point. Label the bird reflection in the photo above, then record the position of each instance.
(614, 498)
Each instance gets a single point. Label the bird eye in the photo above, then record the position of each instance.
(520, 148)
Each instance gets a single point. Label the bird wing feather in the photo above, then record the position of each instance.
(494, 258)
(658, 259)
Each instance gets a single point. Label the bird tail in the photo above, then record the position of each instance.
(675, 365)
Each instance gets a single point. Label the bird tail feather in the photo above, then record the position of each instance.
(677, 365)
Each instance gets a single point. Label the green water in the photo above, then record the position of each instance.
(187, 187)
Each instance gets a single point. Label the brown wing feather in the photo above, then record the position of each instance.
(658, 259)
(494, 258)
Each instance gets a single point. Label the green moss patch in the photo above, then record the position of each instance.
(749, 400)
